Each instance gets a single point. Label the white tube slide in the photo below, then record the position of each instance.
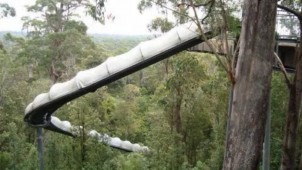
(104, 138)
(146, 53)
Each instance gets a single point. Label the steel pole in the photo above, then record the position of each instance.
(40, 147)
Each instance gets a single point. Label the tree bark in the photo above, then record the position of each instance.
(177, 111)
(251, 90)
(292, 118)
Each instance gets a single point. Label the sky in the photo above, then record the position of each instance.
(128, 20)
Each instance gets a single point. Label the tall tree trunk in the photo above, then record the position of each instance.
(177, 111)
(53, 73)
(251, 90)
(167, 66)
(300, 165)
(292, 119)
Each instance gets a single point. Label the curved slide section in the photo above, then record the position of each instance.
(38, 113)
(65, 127)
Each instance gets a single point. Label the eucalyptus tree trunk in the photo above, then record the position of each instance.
(292, 117)
(251, 89)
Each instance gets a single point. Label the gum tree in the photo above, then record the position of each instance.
(295, 93)
(252, 85)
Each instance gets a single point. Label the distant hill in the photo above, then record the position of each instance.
(113, 43)
(95, 37)
(118, 44)
(15, 33)
(118, 37)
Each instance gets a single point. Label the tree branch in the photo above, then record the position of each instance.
(172, 10)
(288, 83)
(206, 40)
(297, 14)
(196, 20)
(195, 5)
(225, 28)
(210, 2)
(235, 57)
(225, 35)
(209, 11)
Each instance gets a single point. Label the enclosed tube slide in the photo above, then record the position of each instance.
(65, 127)
(39, 112)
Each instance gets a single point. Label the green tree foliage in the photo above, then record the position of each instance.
(160, 24)
(137, 112)
(6, 10)
(288, 20)
(56, 14)
(176, 108)
(190, 88)
(58, 34)
(279, 108)
(179, 11)
(15, 138)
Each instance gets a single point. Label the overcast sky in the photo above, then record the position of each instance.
(128, 20)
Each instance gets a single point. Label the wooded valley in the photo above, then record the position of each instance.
(179, 108)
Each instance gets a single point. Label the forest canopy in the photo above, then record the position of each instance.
(179, 107)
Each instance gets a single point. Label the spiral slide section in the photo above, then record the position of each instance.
(39, 112)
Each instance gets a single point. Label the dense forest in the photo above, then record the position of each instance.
(178, 108)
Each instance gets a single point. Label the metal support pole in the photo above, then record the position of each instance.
(40, 147)
(267, 138)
